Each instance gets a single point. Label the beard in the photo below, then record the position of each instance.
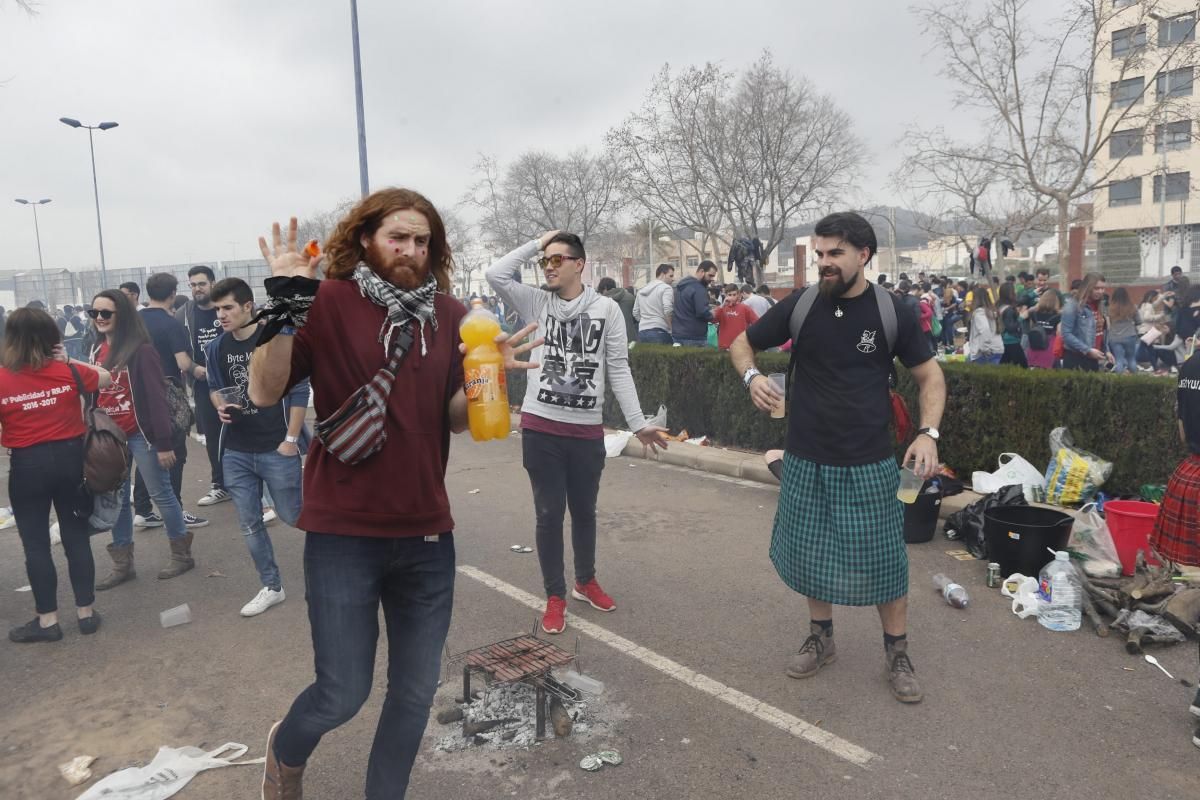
(832, 290)
(400, 271)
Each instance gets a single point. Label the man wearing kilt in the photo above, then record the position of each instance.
(838, 537)
(1177, 530)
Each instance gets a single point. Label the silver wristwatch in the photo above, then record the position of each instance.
(749, 376)
(292, 439)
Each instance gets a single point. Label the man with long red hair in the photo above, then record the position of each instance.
(378, 338)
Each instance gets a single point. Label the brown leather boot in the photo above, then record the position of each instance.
(181, 557)
(122, 569)
(817, 651)
(280, 782)
(901, 674)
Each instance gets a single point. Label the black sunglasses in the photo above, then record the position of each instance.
(102, 313)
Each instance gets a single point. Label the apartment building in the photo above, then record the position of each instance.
(1146, 219)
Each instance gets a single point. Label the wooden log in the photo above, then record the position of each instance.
(1133, 642)
(1156, 609)
(1089, 608)
(1159, 588)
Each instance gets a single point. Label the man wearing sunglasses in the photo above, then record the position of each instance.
(585, 348)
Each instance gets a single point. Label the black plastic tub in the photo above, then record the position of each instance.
(1018, 537)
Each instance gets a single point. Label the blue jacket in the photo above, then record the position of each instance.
(691, 314)
(1078, 328)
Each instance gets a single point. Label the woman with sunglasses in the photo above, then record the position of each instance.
(41, 424)
(137, 402)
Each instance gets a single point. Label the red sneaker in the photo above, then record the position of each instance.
(592, 593)
(554, 620)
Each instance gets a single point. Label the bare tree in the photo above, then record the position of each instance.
(319, 225)
(1048, 97)
(469, 256)
(539, 192)
(744, 159)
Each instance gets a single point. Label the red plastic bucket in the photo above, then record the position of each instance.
(1130, 523)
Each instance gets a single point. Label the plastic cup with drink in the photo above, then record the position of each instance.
(231, 402)
(779, 381)
(910, 483)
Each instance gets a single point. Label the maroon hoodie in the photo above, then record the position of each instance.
(400, 490)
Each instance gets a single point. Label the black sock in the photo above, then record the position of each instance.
(826, 625)
(889, 640)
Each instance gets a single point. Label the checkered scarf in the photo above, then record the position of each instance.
(402, 305)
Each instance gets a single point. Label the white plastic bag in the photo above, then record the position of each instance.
(1013, 471)
(659, 419)
(1090, 538)
(171, 770)
(1025, 599)
(614, 443)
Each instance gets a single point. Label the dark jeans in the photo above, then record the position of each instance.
(1014, 354)
(141, 497)
(209, 425)
(655, 336)
(949, 323)
(564, 472)
(1074, 360)
(41, 475)
(346, 580)
(691, 342)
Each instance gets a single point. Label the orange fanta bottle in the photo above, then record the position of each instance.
(483, 373)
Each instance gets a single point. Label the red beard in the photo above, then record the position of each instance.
(400, 271)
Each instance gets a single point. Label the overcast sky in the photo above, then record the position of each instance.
(233, 114)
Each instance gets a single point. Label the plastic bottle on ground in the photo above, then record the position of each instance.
(483, 375)
(1061, 594)
(951, 592)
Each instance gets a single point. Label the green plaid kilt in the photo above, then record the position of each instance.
(839, 532)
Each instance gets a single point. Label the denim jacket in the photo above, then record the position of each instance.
(1078, 328)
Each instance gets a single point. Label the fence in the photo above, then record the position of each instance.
(66, 287)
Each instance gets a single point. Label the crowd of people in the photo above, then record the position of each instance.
(382, 318)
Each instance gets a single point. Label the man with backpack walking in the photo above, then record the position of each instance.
(838, 536)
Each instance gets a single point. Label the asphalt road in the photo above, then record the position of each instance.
(695, 700)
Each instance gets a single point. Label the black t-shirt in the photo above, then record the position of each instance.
(168, 336)
(205, 328)
(259, 430)
(839, 408)
(1188, 401)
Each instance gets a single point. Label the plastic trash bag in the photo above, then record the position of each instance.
(1090, 539)
(106, 508)
(171, 770)
(1074, 474)
(1129, 620)
(967, 524)
(1025, 599)
(1013, 470)
(659, 419)
(614, 443)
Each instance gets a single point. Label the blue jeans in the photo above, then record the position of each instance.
(158, 484)
(994, 358)
(347, 579)
(655, 336)
(245, 474)
(1125, 353)
(691, 342)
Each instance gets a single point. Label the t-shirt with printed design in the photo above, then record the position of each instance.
(839, 406)
(731, 321)
(258, 430)
(43, 405)
(117, 399)
(206, 328)
(1188, 401)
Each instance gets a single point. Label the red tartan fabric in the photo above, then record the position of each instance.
(1176, 532)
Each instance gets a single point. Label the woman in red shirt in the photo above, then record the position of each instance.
(137, 402)
(42, 425)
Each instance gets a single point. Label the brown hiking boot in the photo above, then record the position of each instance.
(817, 651)
(181, 557)
(902, 675)
(122, 570)
(280, 782)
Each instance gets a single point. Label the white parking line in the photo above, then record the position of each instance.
(726, 694)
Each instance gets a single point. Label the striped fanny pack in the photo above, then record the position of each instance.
(357, 429)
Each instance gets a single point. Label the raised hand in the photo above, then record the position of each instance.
(545, 239)
(284, 258)
(505, 342)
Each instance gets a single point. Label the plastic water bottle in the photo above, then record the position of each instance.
(1060, 591)
(953, 594)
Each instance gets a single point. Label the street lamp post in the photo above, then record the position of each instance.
(37, 233)
(103, 126)
(363, 183)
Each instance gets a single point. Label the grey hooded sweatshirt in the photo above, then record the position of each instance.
(585, 348)
(653, 306)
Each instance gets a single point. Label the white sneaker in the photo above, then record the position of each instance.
(213, 497)
(269, 516)
(266, 598)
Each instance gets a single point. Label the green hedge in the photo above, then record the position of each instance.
(1129, 420)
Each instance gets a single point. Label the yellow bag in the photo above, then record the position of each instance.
(1074, 475)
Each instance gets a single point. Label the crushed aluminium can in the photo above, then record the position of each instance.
(993, 575)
